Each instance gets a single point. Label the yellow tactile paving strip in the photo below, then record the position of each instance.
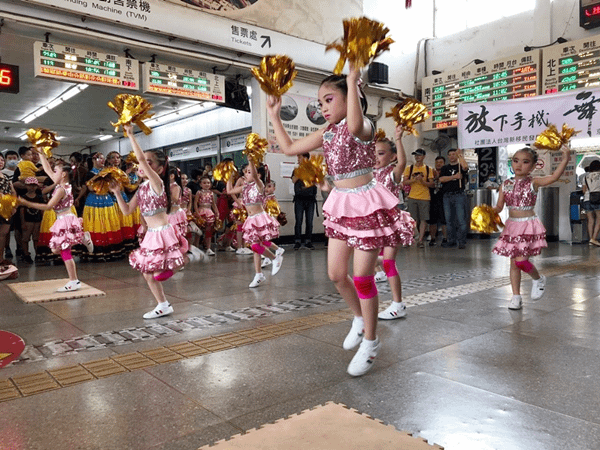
(48, 380)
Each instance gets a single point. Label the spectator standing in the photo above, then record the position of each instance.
(436, 209)
(420, 178)
(305, 202)
(453, 177)
(591, 202)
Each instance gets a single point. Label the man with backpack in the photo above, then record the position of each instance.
(420, 178)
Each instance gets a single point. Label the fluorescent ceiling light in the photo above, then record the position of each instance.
(105, 137)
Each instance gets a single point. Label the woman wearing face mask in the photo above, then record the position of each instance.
(492, 182)
(11, 159)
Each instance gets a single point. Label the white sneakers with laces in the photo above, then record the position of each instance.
(538, 287)
(394, 311)
(355, 336)
(380, 277)
(259, 278)
(277, 262)
(364, 358)
(209, 252)
(516, 302)
(280, 251)
(73, 285)
(87, 241)
(159, 311)
(265, 262)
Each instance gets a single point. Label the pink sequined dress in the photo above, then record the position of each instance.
(385, 176)
(67, 230)
(205, 202)
(525, 236)
(259, 227)
(178, 218)
(163, 248)
(365, 217)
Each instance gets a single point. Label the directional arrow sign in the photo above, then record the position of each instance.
(267, 40)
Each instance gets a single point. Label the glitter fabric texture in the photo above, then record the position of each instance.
(150, 202)
(384, 176)
(251, 195)
(519, 194)
(345, 153)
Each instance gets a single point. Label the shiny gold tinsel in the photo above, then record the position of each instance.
(485, 220)
(379, 135)
(131, 158)
(131, 109)
(407, 114)
(275, 74)
(363, 41)
(100, 183)
(8, 205)
(256, 148)
(46, 139)
(552, 139)
(311, 171)
(272, 207)
(240, 214)
(224, 170)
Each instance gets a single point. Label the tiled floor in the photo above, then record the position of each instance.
(461, 370)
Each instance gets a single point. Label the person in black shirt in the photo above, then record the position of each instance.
(305, 200)
(454, 177)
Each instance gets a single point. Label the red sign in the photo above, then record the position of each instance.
(9, 78)
(11, 346)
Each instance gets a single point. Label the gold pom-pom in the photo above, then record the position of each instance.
(100, 183)
(379, 135)
(240, 214)
(275, 74)
(256, 147)
(552, 139)
(485, 220)
(311, 171)
(272, 207)
(131, 158)
(407, 114)
(363, 41)
(8, 205)
(131, 109)
(224, 170)
(41, 137)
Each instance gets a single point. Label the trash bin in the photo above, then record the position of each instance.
(548, 211)
(578, 221)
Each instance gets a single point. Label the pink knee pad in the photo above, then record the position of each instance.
(365, 286)
(525, 266)
(267, 244)
(164, 275)
(381, 252)
(389, 267)
(257, 248)
(66, 254)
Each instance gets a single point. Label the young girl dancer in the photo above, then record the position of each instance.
(259, 228)
(270, 198)
(206, 208)
(163, 249)
(524, 235)
(388, 171)
(360, 214)
(67, 231)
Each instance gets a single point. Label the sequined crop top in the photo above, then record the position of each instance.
(519, 194)
(346, 155)
(385, 176)
(150, 202)
(205, 198)
(186, 195)
(66, 202)
(269, 197)
(251, 195)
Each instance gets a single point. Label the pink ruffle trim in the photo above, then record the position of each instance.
(260, 227)
(521, 238)
(160, 250)
(67, 231)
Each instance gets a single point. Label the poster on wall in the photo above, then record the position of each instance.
(520, 121)
(301, 116)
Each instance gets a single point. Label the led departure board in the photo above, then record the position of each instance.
(72, 63)
(184, 82)
(490, 81)
(572, 65)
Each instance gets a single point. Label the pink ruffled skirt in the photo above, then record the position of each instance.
(367, 217)
(67, 231)
(260, 227)
(179, 220)
(162, 249)
(521, 237)
(207, 214)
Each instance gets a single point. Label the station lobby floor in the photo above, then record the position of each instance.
(461, 370)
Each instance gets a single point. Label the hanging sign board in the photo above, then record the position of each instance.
(91, 66)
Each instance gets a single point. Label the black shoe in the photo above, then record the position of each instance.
(8, 254)
(19, 252)
(309, 246)
(297, 246)
(462, 246)
(432, 243)
(27, 259)
(447, 244)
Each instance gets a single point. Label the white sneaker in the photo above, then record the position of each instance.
(259, 278)
(87, 241)
(355, 335)
(380, 277)
(265, 262)
(209, 252)
(277, 262)
(364, 358)
(159, 312)
(196, 254)
(280, 251)
(70, 286)
(515, 302)
(538, 287)
(243, 251)
(394, 311)
(230, 249)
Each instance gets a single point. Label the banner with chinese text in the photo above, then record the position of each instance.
(520, 121)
